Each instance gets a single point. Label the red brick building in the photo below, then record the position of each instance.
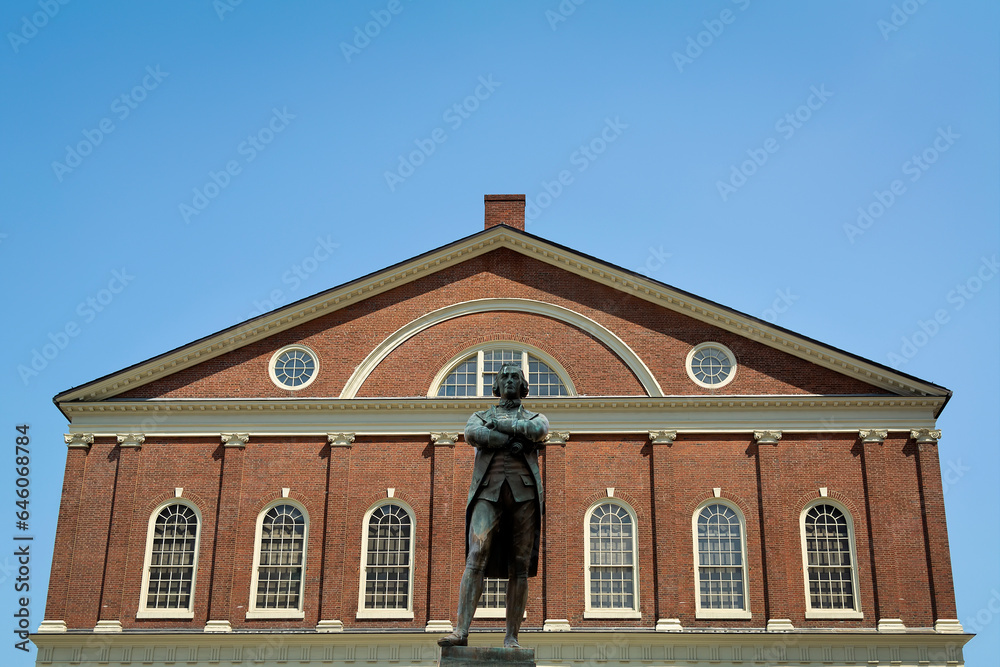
(718, 490)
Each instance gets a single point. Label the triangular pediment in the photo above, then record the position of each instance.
(499, 239)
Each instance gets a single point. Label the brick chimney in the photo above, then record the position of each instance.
(504, 210)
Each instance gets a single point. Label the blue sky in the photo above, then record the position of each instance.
(168, 171)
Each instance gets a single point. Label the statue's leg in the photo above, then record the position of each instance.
(482, 527)
(525, 524)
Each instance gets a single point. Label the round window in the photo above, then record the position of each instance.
(294, 367)
(711, 365)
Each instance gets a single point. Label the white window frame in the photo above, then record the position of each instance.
(842, 614)
(398, 614)
(184, 614)
(274, 360)
(740, 614)
(590, 612)
(697, 348)
(479, 351)
(252, 611)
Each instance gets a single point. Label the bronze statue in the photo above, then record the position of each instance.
(505, 505)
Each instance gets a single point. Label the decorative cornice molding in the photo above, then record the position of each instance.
(235, 439)
(873, 435)
(767, 437)
(79, 440)
(340, 439)
(577, 414)
(925, 436)
(463, 250)
(134, 440)
(441, 439)
(662, 437)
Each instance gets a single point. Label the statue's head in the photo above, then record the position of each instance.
(506, 370)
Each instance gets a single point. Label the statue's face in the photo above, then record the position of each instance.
(509, 382)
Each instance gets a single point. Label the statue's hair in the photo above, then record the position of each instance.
(524, 382)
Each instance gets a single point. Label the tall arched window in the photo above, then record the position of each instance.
(610, 549)
(387, 562)
(171, 562)
(720, 562)
(473, 372)
(279, 562)
(829, 562)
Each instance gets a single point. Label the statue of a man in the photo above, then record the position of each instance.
(503, 513)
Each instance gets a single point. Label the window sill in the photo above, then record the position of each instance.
(731, 614)
(612, 613)
(835, 614)
(396, 614)
(176, 614)
(295, 614)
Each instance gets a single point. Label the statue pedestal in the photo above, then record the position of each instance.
(480, 656)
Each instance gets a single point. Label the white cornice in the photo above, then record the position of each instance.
(492, 239)
(578, 414)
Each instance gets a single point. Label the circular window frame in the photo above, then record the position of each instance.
(274, 360)
(719, 346)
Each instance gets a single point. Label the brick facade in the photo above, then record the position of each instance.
(891, 488)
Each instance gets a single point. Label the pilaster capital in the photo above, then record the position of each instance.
(873, 435)
(925, 437)
(79, 440)
(235, 439)
(767, 437)
(134, 440)
(662, 437)
(441, 439)
(340, 439)
(557, 438)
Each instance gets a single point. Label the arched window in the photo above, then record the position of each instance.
(829, 562)
(610, 549)
(473, 372)
(279, 562)
(387, 562)
(720, 562)
(171, 562)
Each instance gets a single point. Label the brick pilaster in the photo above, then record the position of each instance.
(938, 551)
(778, 531)
(556, 570)
(665, 533)
(338, 493)
(220, 612)
(881, 517)
(444, 558)
(116, 565)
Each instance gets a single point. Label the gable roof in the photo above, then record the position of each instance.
(488, 240)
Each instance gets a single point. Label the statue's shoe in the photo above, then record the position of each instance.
(510, 642)
(453, 640)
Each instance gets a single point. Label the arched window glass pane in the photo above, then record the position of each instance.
(171, 563)
(388, 559)
(612, 558)
(720, 558)
(828, 556)
(463, 379)
(282, 554)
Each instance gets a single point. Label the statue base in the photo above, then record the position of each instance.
(481, 656)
